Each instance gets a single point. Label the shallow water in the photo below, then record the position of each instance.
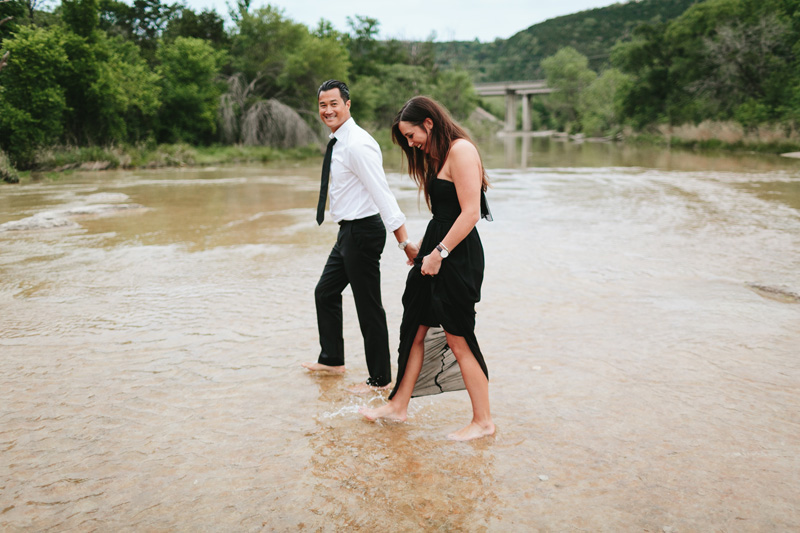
(640, 320)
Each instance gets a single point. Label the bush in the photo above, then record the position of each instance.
(32, 102)
(190, 90)
(7, 171)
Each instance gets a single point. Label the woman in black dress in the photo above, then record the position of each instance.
(438, 349)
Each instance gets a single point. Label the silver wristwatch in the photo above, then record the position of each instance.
(444, 252)
(402, 245)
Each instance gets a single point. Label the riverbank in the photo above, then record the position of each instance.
(51, 163)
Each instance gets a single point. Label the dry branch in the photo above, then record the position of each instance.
(248, 118)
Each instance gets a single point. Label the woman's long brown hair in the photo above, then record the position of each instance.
(423, 167)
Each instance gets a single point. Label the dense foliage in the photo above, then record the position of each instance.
(730, 62)
(105, 73)
(721, 59)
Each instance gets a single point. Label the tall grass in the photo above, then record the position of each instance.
(71, 157)
(60, 158)
(768, 138)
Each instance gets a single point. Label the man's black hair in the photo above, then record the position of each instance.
(335, 84)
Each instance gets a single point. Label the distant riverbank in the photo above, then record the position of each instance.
(776, 139)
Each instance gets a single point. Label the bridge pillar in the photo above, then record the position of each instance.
(511, 110)
(526, 112)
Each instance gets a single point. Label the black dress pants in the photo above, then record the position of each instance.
(355, 260)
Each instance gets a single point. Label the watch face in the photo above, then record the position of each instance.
(444, 253)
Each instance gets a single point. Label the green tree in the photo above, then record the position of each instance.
(32, 9)
(148, 20)
(111, 94)
(32, 101)
(206, 25)
(745, 62)
(124, 97)
(647, 61)
(80, 42)
(283, 60)
(362, 44)
(721, 59)
(81, 16)
(387, 73)
(325, 30)
(262, 43)
(568, 72)
(600, 104)
(684, 41)
(12, 13)
(143, 22)
(365, 94)
(377, 99)
(455, 90)
(116, 18)
(191, 87)
(313, 60)
(398, 83)
(368, 54)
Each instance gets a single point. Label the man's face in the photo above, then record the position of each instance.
(332, 109)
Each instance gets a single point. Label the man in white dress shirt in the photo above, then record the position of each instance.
(364, 207)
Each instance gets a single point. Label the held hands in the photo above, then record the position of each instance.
(411, 251)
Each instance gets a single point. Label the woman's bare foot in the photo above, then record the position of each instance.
(317, 367)
(364, 388)
(386, 411)
(472, 431)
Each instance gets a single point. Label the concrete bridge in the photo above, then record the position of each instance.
(514, 91)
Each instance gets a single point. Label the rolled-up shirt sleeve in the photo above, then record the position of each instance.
(366, 162)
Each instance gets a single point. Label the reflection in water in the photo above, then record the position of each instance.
(637, 321)
(529, 150)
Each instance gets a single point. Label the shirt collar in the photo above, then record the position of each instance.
(344, 129)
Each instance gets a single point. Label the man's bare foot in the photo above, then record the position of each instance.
(364, 388)
(317, 367)
(386, 411)
(472, 431)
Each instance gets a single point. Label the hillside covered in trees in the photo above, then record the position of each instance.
(592, 33)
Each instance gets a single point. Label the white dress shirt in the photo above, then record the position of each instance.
(358, 186)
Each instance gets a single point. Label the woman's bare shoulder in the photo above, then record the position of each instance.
(463, 146)
(462, 150)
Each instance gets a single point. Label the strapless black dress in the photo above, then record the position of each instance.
(445, 302)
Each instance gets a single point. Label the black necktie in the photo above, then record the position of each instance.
(323, 188)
